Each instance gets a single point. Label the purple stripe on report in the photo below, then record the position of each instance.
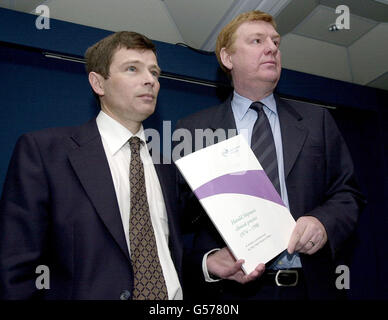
(251, 182)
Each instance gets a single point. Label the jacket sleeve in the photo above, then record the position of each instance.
(23, 221)
(342, 199)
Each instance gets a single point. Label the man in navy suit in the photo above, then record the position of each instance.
(315, 176)
(66, 204)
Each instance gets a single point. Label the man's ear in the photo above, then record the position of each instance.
(226, 58)
(97, 83)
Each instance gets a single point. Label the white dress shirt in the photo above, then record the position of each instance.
(115, 142)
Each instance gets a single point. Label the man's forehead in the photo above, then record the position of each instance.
(123, 54)
(257, 27)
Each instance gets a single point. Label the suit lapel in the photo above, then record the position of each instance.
(167, 183)
(223, 117)
(293, 133)
(91, 166)
(168, 187)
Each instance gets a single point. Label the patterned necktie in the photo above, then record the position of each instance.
(263, 145)
(149, 281)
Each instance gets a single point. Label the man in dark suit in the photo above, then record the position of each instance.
(313, 174)
(86, 205)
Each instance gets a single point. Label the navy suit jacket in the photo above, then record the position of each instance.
(59, 209)
(320, 182)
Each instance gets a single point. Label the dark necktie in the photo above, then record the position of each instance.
(263, 145)
(149, 283)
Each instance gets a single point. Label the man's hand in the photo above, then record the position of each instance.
(223, 265)
(308, 237)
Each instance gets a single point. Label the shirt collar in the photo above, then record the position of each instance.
(114, 133)
(241, 104)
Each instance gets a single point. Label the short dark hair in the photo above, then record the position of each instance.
(99, 56)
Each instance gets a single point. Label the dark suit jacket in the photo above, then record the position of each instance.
(59, 209)
(320, 183)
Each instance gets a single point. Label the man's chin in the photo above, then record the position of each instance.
(146, 112)
(272, 78)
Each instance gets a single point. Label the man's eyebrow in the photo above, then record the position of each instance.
(274, 35)
(140, 62)
(130, 61)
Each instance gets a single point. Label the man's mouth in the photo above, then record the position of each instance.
(147, 96)
(269, 62)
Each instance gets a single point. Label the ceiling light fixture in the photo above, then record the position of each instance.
(333, 27)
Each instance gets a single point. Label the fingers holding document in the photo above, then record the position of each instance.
(222, 264)
(308, 237)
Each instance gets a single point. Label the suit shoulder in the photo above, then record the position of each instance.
(50, 136)
(305, 108)
(53, 132)
(199, 115)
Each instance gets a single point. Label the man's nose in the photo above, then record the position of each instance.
(270, 47)
(149, 79)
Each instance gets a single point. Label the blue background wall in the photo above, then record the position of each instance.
(38, 92)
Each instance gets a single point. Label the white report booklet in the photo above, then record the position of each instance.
(240, 200)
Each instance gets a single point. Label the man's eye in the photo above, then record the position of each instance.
(132, 68)
(256, 41)
(155, 74)
(276, 43)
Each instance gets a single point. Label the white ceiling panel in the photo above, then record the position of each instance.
(381, 82)
(315, 57)
(357, 55)
(196, 19)
(149, 17)
(293, 14)
(20, 5)
(316, 26)
(273, 7)
(369, 55)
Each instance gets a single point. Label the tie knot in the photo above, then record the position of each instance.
(135, 143)
(257, 106)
